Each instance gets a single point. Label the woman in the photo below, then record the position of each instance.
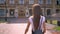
(35, 20)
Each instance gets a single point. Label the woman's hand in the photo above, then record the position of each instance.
(24, 33)
(44, 31)
(27, 27)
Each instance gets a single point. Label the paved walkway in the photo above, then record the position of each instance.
(19, 28)
(49, 26)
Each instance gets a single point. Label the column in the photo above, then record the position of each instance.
(54, 7)
(44, 7)
(8, 13)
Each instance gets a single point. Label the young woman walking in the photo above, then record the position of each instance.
(36, 20)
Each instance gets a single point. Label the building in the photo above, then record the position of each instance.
(22, 8)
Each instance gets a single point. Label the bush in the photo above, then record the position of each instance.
(2, 21)
(53, 21)
(57, 28)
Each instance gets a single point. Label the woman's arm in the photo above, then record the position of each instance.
(27, 27)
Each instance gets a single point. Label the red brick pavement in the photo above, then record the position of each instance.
(17, 29)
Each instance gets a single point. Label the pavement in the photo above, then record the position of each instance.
(19, 28)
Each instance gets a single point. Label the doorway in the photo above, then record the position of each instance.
(30, 12)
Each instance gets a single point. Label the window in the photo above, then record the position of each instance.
(48, 12)
(57, 11)
(21, 10)
(48, 1)
(2, 12)
(22, 14)
(40, 1)
(21, 1)
(58, 2)
(11, 12)
(2, 1)
(31, 1)
(11, 1)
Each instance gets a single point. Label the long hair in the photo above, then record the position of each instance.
(36, 11)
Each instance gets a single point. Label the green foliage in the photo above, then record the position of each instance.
(53, 21)
(57, 28)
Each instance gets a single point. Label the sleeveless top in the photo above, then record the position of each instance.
(31, 22)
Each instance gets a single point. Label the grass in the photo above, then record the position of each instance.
(54, 22)
(57, 28)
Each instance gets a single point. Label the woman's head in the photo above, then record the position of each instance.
(36, 11)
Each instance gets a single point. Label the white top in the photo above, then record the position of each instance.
(31, 22)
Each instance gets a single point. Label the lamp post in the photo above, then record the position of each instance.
(6, 11)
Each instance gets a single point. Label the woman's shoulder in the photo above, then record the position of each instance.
(42, 16)
(30, 17)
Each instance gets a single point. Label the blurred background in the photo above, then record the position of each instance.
(17, 12)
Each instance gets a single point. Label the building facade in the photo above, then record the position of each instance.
(23, 8)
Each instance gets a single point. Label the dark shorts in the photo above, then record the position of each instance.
(33, 32)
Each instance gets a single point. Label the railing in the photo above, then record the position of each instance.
(53, 18)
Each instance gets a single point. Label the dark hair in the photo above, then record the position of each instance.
(36, 10)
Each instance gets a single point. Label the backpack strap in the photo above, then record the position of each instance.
(40, 23)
